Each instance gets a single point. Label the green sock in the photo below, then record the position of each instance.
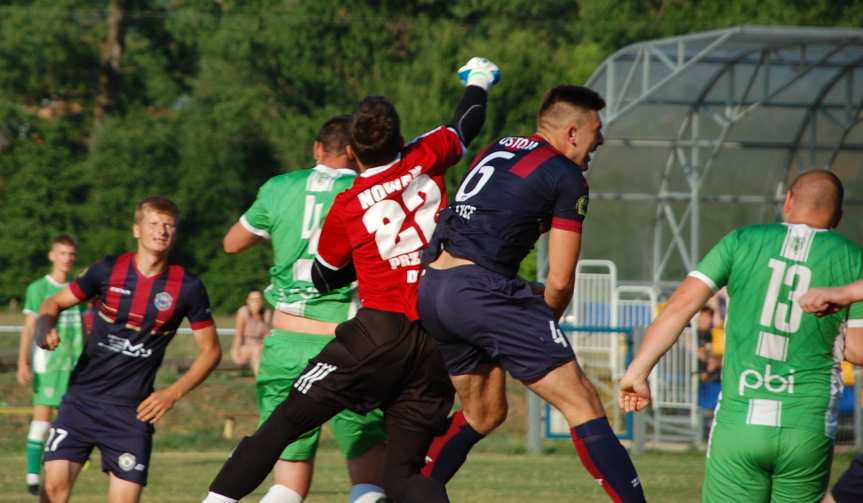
(35, 447)
(34, 456)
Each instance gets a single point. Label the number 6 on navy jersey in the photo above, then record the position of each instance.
(485, 170)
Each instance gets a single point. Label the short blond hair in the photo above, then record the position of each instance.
(156, 204)
(64, 239)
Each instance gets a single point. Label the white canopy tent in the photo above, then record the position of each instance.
(704, 132)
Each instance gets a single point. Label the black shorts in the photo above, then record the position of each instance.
(382, 360)
(849, 488)
(478, 316)
(124, 441)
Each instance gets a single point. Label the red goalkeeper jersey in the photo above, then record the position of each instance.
(387, 217)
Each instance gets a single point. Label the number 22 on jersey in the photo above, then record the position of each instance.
(386, 218)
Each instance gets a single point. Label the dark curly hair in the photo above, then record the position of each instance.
(376, 131)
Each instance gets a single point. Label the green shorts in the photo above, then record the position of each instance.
(766, 464)
(283, 359)
(49, 387)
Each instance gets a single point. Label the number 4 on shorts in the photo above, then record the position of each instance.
(557, 334)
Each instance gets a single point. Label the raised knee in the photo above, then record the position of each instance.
(490, 419)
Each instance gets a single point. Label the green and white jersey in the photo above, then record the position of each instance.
(69, 327)
(290, 210)
(781, 365)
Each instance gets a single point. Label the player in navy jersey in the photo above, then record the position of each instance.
(381, 358)
(486, 319)
(111, 403)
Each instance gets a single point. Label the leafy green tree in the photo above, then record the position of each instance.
(210, 99)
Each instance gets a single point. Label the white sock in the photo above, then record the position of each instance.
(366, 493)
(281, 494)
(218, 498)
(38, 430)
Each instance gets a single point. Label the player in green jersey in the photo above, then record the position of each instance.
(772, 438)
(50, 370)
(289, 211)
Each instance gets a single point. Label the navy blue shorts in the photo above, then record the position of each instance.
(124, 441)
(849, 488)
(480, 317)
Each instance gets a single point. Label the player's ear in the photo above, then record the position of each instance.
(318, 151)
(571, 133)
(136, 230)
(788, 205)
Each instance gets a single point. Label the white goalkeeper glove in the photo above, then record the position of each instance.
(479, 72)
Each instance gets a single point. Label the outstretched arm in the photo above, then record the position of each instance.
(823, 301)
(155, 406)
(479, 74)
(659, 337)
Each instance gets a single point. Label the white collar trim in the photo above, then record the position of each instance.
(380, 169)
(54, 282)
(335, 172)
(816, 229)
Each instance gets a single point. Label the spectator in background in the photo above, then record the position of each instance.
(251, 325)
(709, 363)
(50, 371)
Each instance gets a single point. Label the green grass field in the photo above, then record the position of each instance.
(189, 450)
(488, 477)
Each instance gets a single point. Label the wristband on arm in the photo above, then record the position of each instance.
(44, 324)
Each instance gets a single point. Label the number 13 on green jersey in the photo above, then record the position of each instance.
(781, 366)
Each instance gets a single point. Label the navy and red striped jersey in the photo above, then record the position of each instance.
(515, 190)
(137, 318)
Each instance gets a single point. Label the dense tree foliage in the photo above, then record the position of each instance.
(103, 103)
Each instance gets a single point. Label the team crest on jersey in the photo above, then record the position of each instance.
(581, 206)
(163, 301)
(126, 461)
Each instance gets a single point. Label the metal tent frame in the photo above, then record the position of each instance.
(794, 94)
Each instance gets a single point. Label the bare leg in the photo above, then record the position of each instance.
(295, 475)
(484, 408)
(368, 468)
(255, 357)
(60, 476)
(570, 391)
(42, 412)
(483, 397)
(123, 491)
